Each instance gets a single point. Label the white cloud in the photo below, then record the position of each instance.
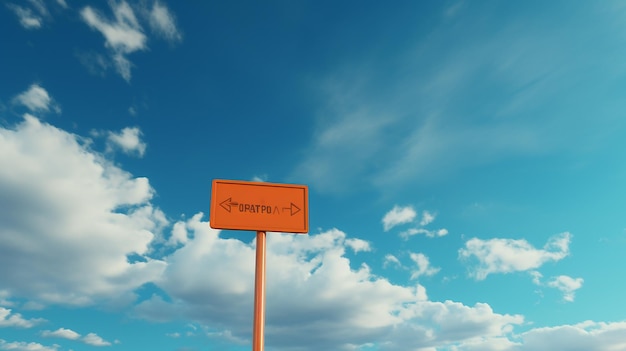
(27, 17)
(95, 340)
(179, 234)
(427, 218)
(423, 267)
(429, 233)
(8, 319)
(162, 22)
(36, 99)
(391, 260)
(567, 285)
(260, 178)
(26, 346)
(588, 336)
(358, 245)
(536, 277)
(71, 219)
(128, 140)
(62, 3)
(123, 35)
(4, 299)
(61, 333)
(312, 290)
(398, 215)
(95, 63)
(123, 65)
(509, 255)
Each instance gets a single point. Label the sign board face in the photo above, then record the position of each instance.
(259, 206)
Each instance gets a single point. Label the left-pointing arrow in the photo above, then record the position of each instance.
(226, 204)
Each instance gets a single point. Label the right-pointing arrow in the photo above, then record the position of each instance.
(294, 209)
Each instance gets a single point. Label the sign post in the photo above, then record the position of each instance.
(258, 328)
(259, 207)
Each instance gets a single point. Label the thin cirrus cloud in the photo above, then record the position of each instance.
(413, 133)
(511, 255)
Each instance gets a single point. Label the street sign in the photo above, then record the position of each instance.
(259, 206)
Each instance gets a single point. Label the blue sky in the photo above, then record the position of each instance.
(465, 163)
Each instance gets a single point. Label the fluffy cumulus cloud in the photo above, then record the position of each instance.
(95, 340)
(36, 99)
(128, 140)
(70, 220)
(510, 255)
(25, 346)
(9, 319)
(588, 336)
(398, 215)
(92, 339)
(316, 297)
(61, 333)
(358, 245)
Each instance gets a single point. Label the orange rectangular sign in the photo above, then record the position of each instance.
(259, 206)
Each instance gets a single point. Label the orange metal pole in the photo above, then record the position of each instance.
(259, 294)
